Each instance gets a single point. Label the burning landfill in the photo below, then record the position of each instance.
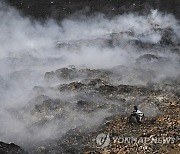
(71, 86)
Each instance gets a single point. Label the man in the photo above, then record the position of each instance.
(136, 116)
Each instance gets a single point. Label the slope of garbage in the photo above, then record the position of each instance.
(70, 88)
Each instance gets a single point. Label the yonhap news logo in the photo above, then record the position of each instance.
(103, 140)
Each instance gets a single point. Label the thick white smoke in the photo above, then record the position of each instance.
(28, 49)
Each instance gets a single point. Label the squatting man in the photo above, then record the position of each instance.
(136, 116)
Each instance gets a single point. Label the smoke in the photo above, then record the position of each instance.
(29, 49)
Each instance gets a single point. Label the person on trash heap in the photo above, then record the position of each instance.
(137, 114)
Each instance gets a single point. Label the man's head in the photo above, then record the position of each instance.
(135, 108)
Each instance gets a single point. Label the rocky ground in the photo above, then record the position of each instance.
(10, 149)
(162, 100)
(159, 102)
